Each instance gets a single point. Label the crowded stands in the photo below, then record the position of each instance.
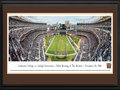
(101, 51)
(21, 36)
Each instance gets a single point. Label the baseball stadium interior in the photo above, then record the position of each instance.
(33, 41)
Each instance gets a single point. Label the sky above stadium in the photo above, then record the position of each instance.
(62, 19)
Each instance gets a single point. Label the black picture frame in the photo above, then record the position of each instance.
(59, 3)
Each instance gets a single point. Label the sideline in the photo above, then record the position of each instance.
(74, 43)
(71, 45)
(49, 45)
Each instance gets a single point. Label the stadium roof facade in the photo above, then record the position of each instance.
(61, 19)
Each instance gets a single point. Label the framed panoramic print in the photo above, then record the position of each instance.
(60, 44)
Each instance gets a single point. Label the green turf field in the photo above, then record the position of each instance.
(48, 39)
(60, 49)
(60, 45)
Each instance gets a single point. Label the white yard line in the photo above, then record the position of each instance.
(76, 55)
(74, 42)
(49, 45)
(77, 47)
(71, 45)
(60, 55)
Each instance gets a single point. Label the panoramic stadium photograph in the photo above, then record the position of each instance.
(60, 37)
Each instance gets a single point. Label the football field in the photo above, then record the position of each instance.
(60, 46)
